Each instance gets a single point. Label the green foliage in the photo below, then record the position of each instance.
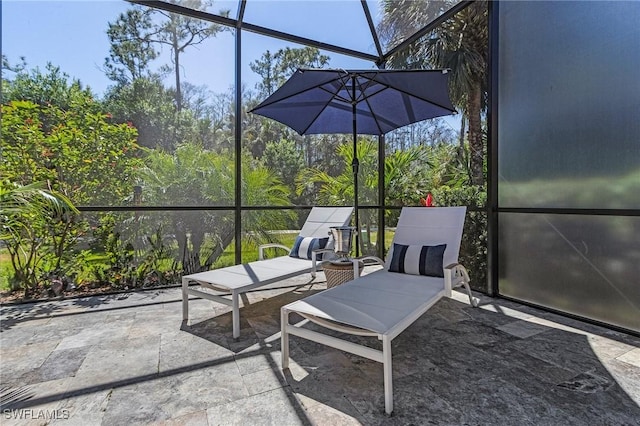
(460, 44)
(60, 136)
(149, 107)
(122, 266)
(276, 68)
(137, 32)
(34, 221)
(285, 160)
(73, 146)
(473, 249)
(45, 88)
(196, 176)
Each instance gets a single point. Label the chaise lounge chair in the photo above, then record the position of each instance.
(235, 280)
(383, 303)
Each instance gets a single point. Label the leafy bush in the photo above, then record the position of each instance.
(473, 249)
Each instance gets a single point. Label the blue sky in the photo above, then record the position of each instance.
(72, 35)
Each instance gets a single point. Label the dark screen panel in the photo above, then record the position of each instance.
(569, 102)
(583, 265)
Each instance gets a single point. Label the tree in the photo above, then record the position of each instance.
(136, 31)
(339, 189)
(277, 68)
(47, 88)
(195, 176)
(67, 141)
(131, 49)
(54, 130)
(149, 107)
(459, 44)
(284, 160)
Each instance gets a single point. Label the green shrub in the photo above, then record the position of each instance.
(473, 249)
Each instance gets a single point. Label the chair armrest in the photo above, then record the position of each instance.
(366, 261)
(456, 275)
(314, 258)
(269, 245)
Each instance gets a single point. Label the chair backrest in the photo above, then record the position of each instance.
(431, 226)
(320, 219)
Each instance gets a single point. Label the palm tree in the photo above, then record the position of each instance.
(408, 175)
(26, 215)
(195, 176)
(459, 44)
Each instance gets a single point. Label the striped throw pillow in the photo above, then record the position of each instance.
(418, 260)
(303, 247)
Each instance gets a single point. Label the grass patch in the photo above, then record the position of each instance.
(6, 270)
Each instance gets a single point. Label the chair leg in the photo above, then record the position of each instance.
(235, 314)
(284, 337)
(388, 375)
(185, 300)
(465, 282)
(472, 300)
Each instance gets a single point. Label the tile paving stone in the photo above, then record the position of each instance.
(197, 418)
(184, 350)
(84, 406)
(21, 360)
(522, 328)
(627, 376)
(96, 334)
(265, 325)
(564, 349)
(174, 395)
(259, 357)
(23, 322)
(631, 356)
(120, 361)
(332, 379)
(321, 415)
(605, 348)
(264, 380)
(19, 336)
(59, 364)
(523, 368)
(154, 322)
(275, 407)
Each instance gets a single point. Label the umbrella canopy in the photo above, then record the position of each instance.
(370, 102)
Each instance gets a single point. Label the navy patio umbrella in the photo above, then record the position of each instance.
(368, 102)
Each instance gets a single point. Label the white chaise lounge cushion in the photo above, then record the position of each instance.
(247, 274)
(378, 301)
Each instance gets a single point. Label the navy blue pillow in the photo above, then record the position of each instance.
(418, 260)
(303, 247)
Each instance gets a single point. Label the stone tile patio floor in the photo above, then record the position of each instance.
(127, 359)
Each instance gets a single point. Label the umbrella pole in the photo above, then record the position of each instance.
(355, 163)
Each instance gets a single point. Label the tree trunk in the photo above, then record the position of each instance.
(217, 252)
(176, 60)
(476, 147)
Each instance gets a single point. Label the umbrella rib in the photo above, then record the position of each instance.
(334, 95)
(365, 99)
(296, 93)
(389, 86)
(404, 92)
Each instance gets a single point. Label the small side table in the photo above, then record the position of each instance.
(339, 272)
